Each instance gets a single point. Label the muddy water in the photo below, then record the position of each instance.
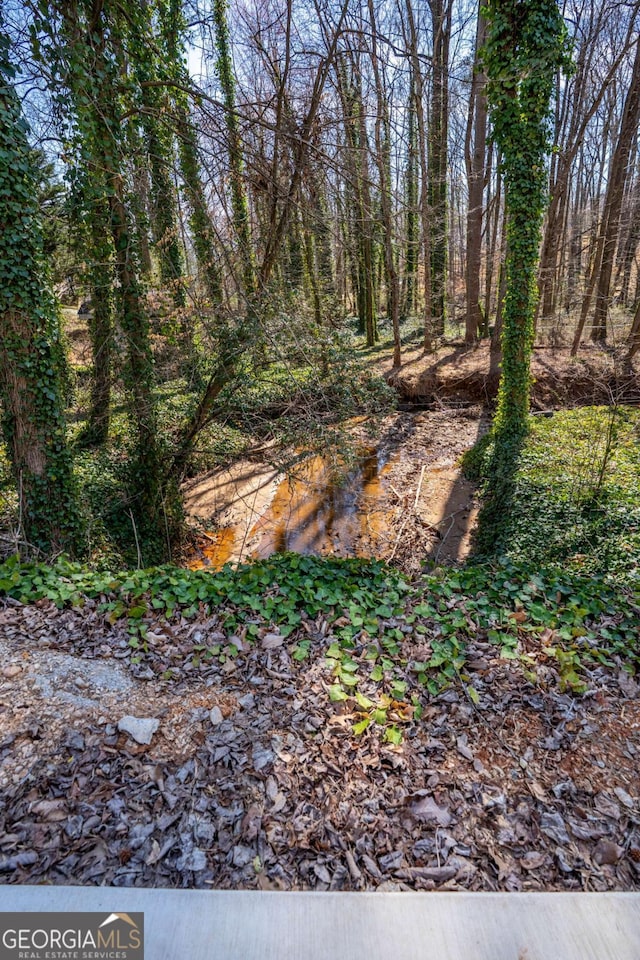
(312, 512)
(315, 513)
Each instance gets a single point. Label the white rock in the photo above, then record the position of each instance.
(141, 729)
(215, 715)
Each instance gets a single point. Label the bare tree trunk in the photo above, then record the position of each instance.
(239, 201)
(202, 232)
(411, 206)
(382, 138)
(362, 225)
(578, 108)
(475, 163)
(618, 173)
(438, 159)
(630, 245)
(424, 176)
(634, 337)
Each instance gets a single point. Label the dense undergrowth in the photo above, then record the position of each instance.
(305, 400)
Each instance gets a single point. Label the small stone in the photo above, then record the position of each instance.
(215, 715)
(11, 671)
(140, 729)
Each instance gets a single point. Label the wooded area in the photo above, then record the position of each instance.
(234, 197)
(319, 332)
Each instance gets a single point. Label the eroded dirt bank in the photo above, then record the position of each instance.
(457, 373)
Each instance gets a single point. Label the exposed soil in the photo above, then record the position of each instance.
(462, 374)
(406, 500)
(254, 779)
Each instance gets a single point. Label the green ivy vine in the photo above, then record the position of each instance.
(30, 351)
(525, 48)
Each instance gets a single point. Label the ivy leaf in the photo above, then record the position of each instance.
(393, 735)
(361, 726)
(363, 701)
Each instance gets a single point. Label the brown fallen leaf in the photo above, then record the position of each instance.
(607, 852)
(279, 803)
(532, 860)
(251, 822)
(437, 874)
(52, 810)
(271, 641)
(428, 811)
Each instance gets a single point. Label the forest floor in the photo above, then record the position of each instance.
(252, 775)
(255, 779)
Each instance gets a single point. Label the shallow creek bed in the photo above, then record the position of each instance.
(404, 500)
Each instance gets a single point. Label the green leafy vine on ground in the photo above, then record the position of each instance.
(371, 613)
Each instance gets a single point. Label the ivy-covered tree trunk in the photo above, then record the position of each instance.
(239, 201)
(202, 232)
(173, 31)
(100, 323)
(525, 47)
(164, 220)
(91, 66)
(34, 427)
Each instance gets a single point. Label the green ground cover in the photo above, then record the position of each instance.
(570, 495)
